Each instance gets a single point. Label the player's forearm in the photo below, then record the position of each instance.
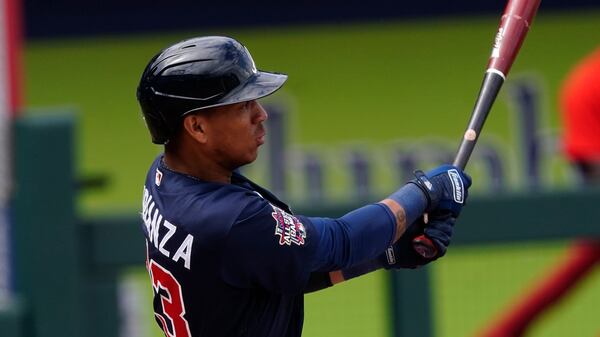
(365, 233)
(357, 236)
(407, 204)
(360, 269)
(399, 214)
(339, 276)
(415, 206)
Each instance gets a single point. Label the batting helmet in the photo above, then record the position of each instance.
(196, 74)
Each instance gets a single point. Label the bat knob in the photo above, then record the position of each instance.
(424, 247)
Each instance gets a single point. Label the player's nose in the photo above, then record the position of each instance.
(261, 113)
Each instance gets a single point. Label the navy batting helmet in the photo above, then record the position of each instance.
(196, 74)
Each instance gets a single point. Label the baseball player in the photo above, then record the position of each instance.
(225, 256)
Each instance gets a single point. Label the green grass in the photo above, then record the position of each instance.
(368, 84)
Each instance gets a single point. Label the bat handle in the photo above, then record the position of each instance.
(424, 247)
(492, 82)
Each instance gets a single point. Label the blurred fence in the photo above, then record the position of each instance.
(67, 267)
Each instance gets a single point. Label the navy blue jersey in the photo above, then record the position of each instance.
(224, 259)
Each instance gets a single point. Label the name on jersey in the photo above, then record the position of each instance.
(289, 228)
(161, 231)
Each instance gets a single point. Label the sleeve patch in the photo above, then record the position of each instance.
(288, 227)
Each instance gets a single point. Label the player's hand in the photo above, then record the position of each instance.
(446, 188)
(401, 254)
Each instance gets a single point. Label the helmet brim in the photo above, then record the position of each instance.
(260, 85)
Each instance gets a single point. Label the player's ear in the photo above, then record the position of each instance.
(195, 126)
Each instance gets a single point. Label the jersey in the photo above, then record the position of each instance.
(224, 259)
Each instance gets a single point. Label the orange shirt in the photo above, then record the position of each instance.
(580, 107)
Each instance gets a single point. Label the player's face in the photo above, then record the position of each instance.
(236, 133)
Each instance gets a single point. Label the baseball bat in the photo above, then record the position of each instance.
(512, 30)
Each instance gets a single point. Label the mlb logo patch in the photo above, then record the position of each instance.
(158, 177)
(288, 227)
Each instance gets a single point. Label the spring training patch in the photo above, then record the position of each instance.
(457, 186)
(289, 228)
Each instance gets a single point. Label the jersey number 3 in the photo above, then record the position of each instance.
(171, 300)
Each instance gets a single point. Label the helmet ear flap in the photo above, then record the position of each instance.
(155, 122)
(157, 127)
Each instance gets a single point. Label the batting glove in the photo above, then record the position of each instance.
(446, 188)
(402, 254)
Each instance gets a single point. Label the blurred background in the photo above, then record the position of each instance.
(376, 89)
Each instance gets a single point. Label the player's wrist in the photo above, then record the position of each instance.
(412, 199)
(430, 192)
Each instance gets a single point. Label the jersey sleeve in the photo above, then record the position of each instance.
(269, 249)
(277, 251)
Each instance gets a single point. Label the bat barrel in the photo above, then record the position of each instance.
(492, 82)
(513, 28)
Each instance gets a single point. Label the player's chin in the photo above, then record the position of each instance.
(251, 155)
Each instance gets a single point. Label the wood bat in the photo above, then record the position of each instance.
(515, 23)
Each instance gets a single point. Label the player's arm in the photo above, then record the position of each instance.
(322, 280)
(402, 254)
(435, 192)
(280, 252)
